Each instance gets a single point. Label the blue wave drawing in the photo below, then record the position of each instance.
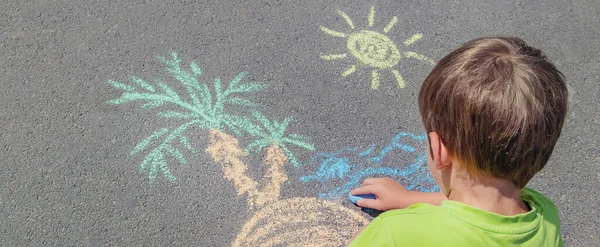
(403, 159)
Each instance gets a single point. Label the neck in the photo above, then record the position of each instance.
(493, 195)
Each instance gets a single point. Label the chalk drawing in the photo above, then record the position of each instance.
(343, 170)
(303, 221)
(274, 134)
(201, 106)
(299, 221)
(225, 150)
(374, 49)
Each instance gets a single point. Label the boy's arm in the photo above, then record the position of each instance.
(392, 195)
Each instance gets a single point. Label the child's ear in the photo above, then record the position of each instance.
(439, 152)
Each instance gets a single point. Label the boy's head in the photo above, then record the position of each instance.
(497, 105)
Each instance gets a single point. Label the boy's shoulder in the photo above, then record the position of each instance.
(417, 225)
(547, 209)
(538, 198)
(455, 224)
(416, 211)
(420, 211)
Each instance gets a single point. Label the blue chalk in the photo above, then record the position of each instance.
(355, 198)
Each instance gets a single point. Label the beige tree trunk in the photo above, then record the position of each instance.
(298, 221)
(225, 150)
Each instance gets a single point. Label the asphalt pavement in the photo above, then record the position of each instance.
(246, 123)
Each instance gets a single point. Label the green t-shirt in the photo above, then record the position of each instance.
(457, 224)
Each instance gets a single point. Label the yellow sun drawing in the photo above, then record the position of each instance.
(374, 49)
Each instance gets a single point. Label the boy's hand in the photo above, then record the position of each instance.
(390, 194)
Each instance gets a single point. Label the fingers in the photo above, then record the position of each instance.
(365, 189)
(370, 181)
(368, 203)
(377, 181)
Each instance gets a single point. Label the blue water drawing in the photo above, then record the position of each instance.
(404, 159)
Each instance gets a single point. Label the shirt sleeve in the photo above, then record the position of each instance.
(373, 235)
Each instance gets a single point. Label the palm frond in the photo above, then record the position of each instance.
(257, 145)
(198, 104)
(289, 155)
(266, 123)
(236, 80)
(125, 98)
(280, 128)
(206, 96)
(175, 114)
(185, 142)
(177, 155)
(299, 143)
(247, 88)
(170, 92)
(273, 132)
(239, 123)
(218, 89)
(241, 101)
(299, 137)
(153, 104)
(119, 85)
(155, 159)
(144, 143)
(194, 97)
(195, 69)
(143, 84)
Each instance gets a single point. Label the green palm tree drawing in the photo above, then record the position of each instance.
(274, 134)
(201, 106)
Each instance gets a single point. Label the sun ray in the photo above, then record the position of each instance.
(375, 79)
(333, 56)
(414, 55)
(372, 16)
(399, 79)
(333, 33)
(347, 18)
(390, 24)
(416, 37)
(349, 71)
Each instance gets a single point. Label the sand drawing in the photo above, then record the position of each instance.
(203, 107)
(374, 49)
(299, 221)
(403, 159)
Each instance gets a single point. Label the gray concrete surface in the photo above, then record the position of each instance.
(66, 174)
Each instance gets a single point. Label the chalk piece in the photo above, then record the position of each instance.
(370, 211)
(355, 198)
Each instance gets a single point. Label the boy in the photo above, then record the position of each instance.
(493, 110)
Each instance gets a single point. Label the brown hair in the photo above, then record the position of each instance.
(498, 106)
